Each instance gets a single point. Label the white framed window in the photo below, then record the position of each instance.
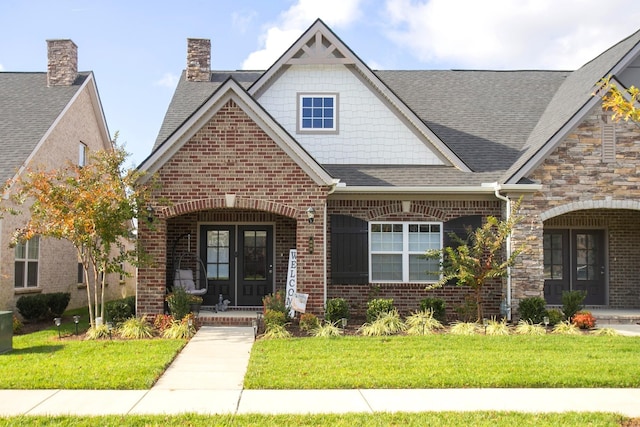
(318, 112)
(396, 251)
(82, 155)
(26, 263)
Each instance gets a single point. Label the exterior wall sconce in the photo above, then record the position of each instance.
(311, 213)
(311, 244)
(150, 212)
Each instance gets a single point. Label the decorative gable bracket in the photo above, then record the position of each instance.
(319, 50)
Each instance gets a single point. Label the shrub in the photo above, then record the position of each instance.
(178, 301)
(566, 328)
(555, 316)
(464, 328)
(422, 323)
(605, 332)
(584, 320)
(533, 309)
(468, 311)
(119, 310)
(527, 328)
(336, 309)
(276, 302)
(17, 325)
(572, 302)
(327, 330)
(378, 306)
(273, 318)
(97, 332)
(387, 323)
(436, 305)
(136, 328)
(57, 303)
(32, 307)
(309, 322)
(180, 329)
(162, 322)
(496, 328)
(276, 332)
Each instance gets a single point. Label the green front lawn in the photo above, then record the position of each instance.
(445, 361)
(489, 419)
(41, 360)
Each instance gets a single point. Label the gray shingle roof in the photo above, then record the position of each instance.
(28, 108)
(493, 120)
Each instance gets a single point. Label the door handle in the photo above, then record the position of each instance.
(270, 268)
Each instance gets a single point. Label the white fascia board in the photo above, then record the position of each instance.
(480, 189)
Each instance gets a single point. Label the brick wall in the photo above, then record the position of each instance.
(407, 296)
(231, 155)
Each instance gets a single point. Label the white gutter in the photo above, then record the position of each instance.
(506, 199)
(482, 189)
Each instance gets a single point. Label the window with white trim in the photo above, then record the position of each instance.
(397, 251)
(318, 112)
(82, 155)
(26, 263)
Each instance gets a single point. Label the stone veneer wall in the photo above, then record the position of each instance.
(575, 178)
(231, 155)
(407, 296)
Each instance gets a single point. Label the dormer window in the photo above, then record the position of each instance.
(318, 112)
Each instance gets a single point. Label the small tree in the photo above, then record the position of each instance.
(623, 103)
(93, 207)
(478, 259)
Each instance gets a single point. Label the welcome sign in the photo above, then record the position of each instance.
(292, 281)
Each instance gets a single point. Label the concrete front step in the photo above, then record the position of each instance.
(615, 316)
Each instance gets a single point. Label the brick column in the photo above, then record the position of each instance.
(152, 276)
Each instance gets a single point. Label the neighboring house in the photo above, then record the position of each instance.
(391, 162)
(48, 120)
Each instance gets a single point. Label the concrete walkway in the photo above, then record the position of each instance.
(207, 377)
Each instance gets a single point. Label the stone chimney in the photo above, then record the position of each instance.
(198, 60)
(62, 68)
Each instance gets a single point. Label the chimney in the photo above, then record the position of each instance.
(198, 60)
(62, 68)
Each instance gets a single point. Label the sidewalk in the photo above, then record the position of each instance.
(207, 376)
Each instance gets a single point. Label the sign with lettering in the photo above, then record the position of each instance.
(299, 302)
(292, 284)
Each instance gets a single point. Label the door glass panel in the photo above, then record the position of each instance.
(552, 250)
(255, 255)
(586, 257)
(218, 254)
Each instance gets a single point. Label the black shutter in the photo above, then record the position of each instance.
(460, 227)
(349, 250)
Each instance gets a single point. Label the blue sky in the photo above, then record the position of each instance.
(137, 49)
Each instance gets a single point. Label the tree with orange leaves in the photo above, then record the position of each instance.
(93, 207)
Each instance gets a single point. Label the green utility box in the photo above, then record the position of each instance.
(6, 331)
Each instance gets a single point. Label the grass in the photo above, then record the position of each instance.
(445, 361)
(41, 360)
(497, 419)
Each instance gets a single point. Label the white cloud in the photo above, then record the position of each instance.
(276, 38)
(168, 80)
(502, 34)
(1, 67)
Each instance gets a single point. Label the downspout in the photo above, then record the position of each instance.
(507, 303)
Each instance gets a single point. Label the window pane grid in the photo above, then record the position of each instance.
(397, 251)
(318, 112)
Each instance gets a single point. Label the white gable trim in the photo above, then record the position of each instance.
(532, 163)
(231, 90)
(319, 30)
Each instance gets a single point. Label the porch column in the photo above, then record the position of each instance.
(152, 276)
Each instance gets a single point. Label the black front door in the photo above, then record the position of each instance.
(574, 260)
(239, 262)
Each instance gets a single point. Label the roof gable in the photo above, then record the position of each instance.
(570, 104)
(320, 46)
(30, 110)
(232, 90)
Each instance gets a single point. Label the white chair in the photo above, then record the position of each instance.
(184, 279)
